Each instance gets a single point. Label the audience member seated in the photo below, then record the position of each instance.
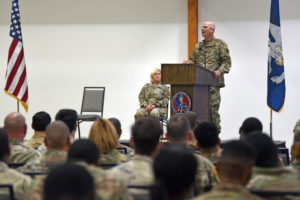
(194, 122)
(69, 182)
(297, 127)
(69, 117)
(145, 134)
(154, 97)
(104, 134)
(295, 152)
(208, 141)
(117, 125)
(175, 169)
(249, 125)
(21, 183)
(16, 128)
(40, 121)
(57, 142)
(269, 175)
(179, 131)
(235, 170)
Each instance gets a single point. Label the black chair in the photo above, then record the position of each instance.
(108, 165)
(8, 194)
(92, 102)
(139, 192)
(285, 155)
(15, 165)
(33, 174)
(122, 150)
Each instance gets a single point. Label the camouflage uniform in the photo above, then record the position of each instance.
(228, 192)
(137, 171)
(206, 175)
(297, 127)
(275, 179)
(50, 159)
(21, 183)
(213, 157)
(106, 187)
(42, 149)
(112, 157)
(19, 153)
(35, 141)
(157, 95)
(213, 55)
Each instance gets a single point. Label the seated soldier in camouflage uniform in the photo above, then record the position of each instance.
(295, 152)
(40, 121)
(208, 141)
(175, 169)
(21, 183)
(235, 170)
(16, 128)
(249, 125)
(85, 153)
(117, 125)
(145, 135)
(104, 134)
(297, 127)
(57, 142)
(179, 131)
(154, 97)
(269, 175)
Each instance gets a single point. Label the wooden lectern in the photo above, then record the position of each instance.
(192, 80)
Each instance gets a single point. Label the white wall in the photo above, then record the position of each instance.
(70, 44)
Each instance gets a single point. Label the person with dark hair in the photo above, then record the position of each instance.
(21, 183)
(295, 152)
(175, 169)
(194, 122)
(57, 141)
(249, 125)
(269, 174)
(145, 134)
(117, 125)
(16, 127)
(85, 152)
(179, 131)
(208, 141)
(69, 117)
(235, 170)
(40, 121)
(69, 182)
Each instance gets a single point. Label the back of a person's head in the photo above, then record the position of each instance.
(14, 123)
(84, 150)
(297, 127)
(178, 128)
(265, 149)
(69, 182)
(249, 125)
(104, 134)
(4, 144)
(68, 116)
(238, 158)
(193, 118)
(117, 124)
(145, 133)
(206, 134)
(175, 169)
(40, 121)
(57, 135)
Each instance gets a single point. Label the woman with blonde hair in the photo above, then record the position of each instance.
(104, 134)
(154, 97)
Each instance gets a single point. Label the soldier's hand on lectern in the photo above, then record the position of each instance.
(186, 61)
(217, 74)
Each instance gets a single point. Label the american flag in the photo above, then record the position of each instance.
(15, 78)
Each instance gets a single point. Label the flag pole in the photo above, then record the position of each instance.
(18, 106)
(271, 121)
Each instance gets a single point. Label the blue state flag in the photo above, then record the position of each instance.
(276, 77)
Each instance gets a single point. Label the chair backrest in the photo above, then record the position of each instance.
(285, 155)
(122, 150)
(6, 192)
(15, 165)
(93, 99)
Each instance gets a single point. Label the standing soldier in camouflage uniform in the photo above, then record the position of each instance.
(16, 128)
(57, 142)
(39, 124)
(213, 54)
(154, 97)
(20, 182)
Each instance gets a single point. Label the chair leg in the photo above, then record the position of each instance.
(78, 130)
